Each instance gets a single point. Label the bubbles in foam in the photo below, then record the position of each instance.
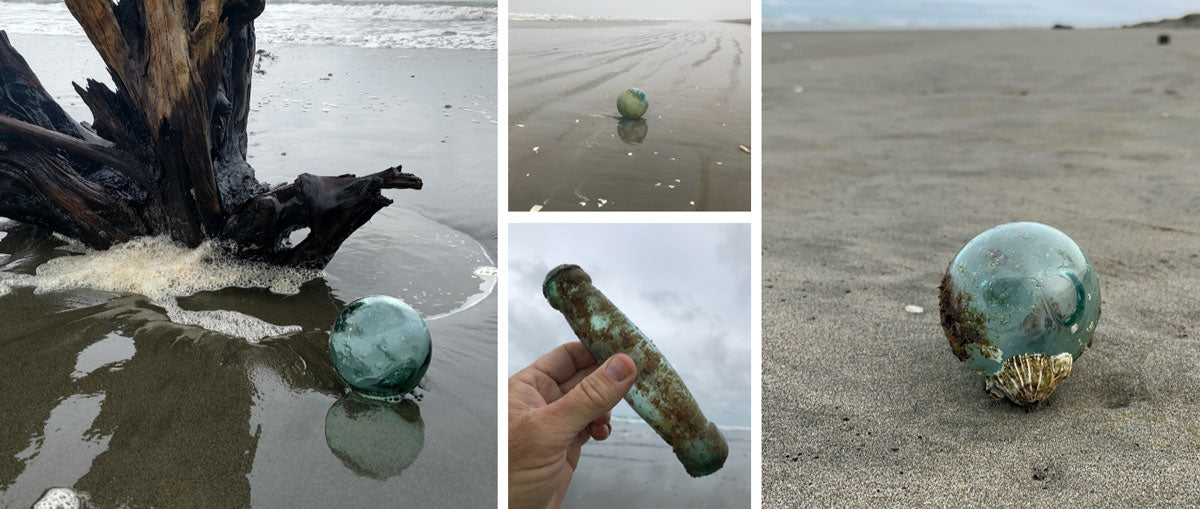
(163, 271)
(59, 498)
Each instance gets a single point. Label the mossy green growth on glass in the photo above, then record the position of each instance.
(632, 103)
(380, 346)
(1019, 303)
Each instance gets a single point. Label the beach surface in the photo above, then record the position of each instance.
(635, 468)
(570, 150)
(885, 153)
(104, 393)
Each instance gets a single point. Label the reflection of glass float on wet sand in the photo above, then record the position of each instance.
(374, 438)
(380, 346)
(632, 131)
(1020, 303)
(632, 103)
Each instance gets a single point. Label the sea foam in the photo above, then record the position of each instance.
(164, 271)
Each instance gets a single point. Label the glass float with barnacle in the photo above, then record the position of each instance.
(1019, 304)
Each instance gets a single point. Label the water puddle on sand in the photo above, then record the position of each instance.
(165, 272)
(64, 451)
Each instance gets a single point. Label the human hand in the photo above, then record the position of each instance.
(554, 406)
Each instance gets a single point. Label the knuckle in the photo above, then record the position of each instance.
(594, 392)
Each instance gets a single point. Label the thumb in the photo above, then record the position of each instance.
(593, 396)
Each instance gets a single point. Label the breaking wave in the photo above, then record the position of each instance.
(378, 24)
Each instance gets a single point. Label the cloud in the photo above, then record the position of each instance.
(687, 286)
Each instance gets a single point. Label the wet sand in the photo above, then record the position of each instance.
(570, 150)
(899, 148)
(102, 393)
(635, 468)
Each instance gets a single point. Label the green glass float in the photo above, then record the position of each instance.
(1019, 304)
(380, 346)
(632, 103)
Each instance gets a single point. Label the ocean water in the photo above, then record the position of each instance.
(520, 16)
(366, 24)
(634, 467)
(821, 15)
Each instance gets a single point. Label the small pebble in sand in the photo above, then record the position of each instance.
(916, 310)
(535, 149)
(799, 89)
(630, 154)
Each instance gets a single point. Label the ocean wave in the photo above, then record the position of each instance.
(385, 12)
(519, 16)
(635, 421)
(378, 24)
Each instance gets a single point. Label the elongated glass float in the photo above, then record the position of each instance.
(658, 395)
(1019, 304)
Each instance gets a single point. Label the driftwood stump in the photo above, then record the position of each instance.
(166, 152)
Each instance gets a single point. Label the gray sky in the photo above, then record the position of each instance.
(687, 286)
(799, 14)
(657, 9)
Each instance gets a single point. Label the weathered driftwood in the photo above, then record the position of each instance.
(166, 151)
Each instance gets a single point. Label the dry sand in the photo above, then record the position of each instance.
(902, 146)
(569, 148)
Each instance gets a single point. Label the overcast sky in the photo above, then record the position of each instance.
(686, 286)
(657, 9)
(793, 14)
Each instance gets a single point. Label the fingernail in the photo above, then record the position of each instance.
(617, 370)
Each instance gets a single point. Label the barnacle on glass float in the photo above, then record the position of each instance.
(1020, 303)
